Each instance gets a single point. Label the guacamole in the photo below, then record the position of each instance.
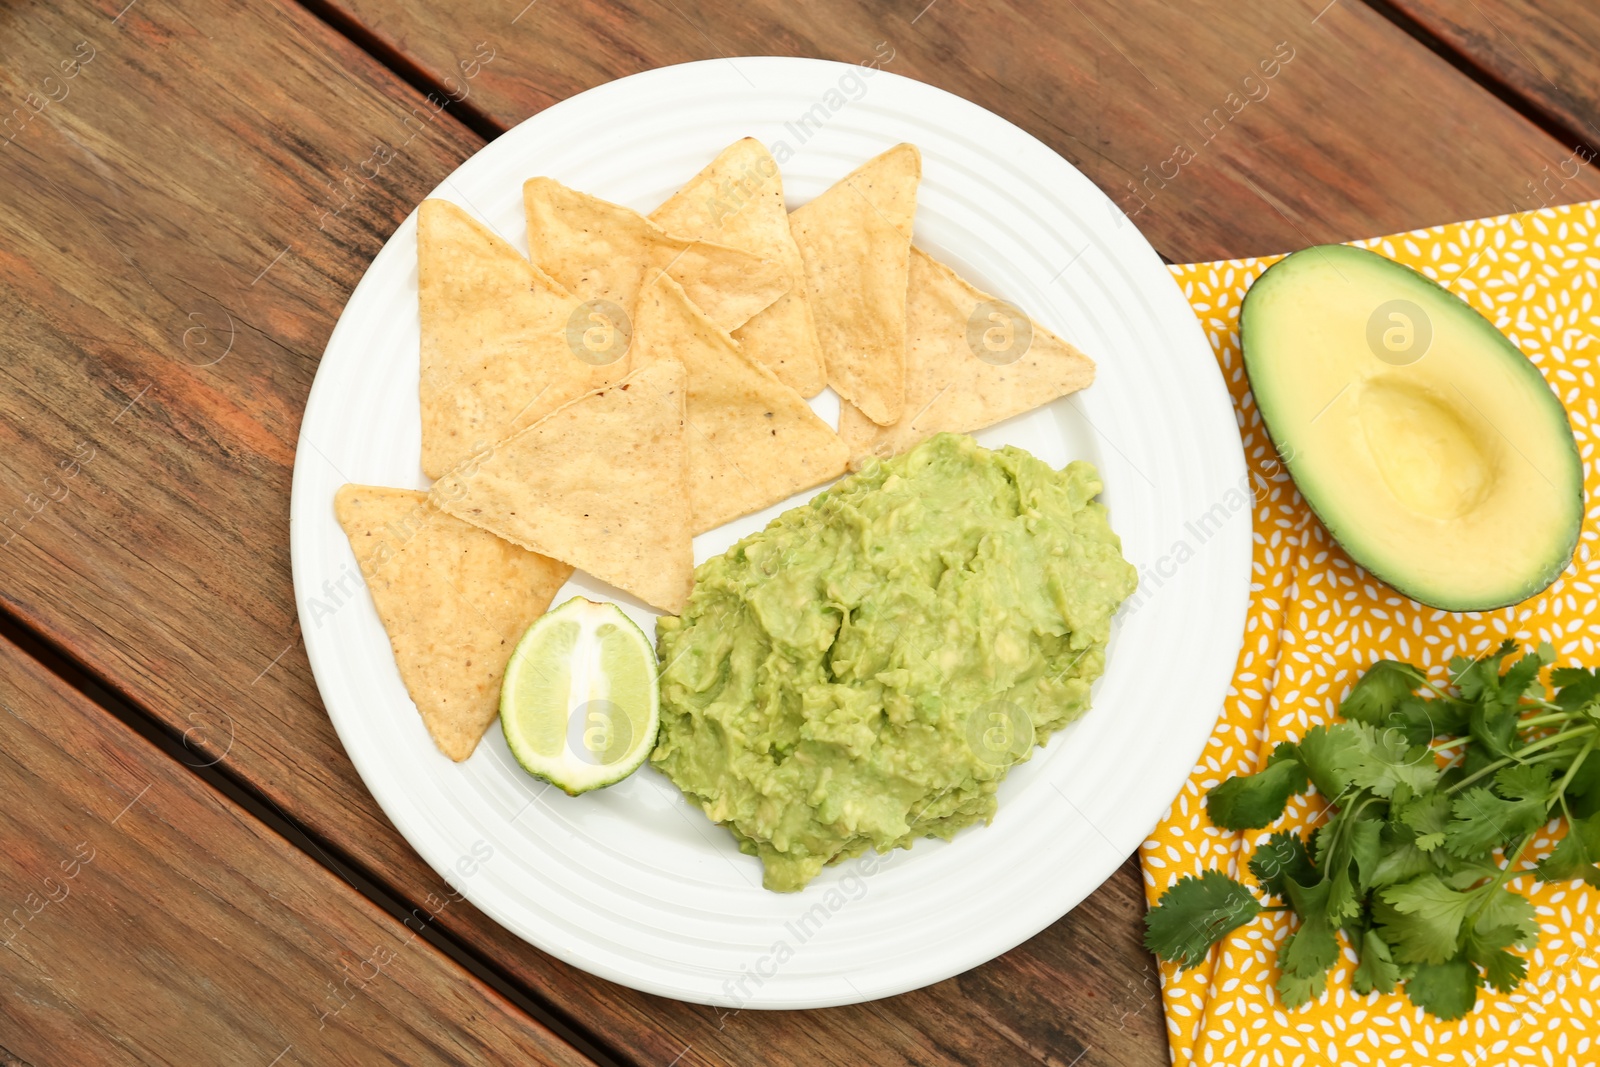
(863, 672)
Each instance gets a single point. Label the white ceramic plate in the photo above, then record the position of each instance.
(633, 884)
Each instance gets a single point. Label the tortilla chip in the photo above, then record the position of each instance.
(602, 251)
(454, 599)
(949, 386)
(599, 483)
(752, 441)
(496, 354)
(856, 241)
(738, 201)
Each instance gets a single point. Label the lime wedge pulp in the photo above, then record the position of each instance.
(579, 705)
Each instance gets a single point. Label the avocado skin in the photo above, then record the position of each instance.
(1329, 512)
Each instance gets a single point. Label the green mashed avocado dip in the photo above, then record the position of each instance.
(864, 671)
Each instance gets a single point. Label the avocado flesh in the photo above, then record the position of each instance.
(1453, 476)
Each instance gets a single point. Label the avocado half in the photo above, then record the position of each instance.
(1429, 446)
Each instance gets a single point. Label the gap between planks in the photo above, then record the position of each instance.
(404, 68)
(487, 127)
(1479, 74)
(59, 662)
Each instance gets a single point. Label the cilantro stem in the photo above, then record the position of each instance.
(1518, 758)
(1545, 720)
(1444, 694)
(1479, 773)
(1566, 779)
(1341, 820)
(1523, 724)
(1543, 757)
(1553, 739)
(1506, 873)
(1558, 796)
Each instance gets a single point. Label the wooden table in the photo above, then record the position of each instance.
(192, 870)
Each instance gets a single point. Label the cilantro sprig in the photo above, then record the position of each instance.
(1433, 795)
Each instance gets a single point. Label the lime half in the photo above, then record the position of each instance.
(579, 705)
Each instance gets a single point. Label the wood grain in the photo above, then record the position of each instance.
(1361, 132)
(174, 208)
(187, 214)
(1543, 50)
(146, 919)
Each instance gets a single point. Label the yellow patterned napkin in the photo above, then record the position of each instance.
(1317, 621)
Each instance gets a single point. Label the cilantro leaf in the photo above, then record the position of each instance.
(1583, 790)
(1524, 781)
(1194, 914)
(1421, 919)
(1447, 717)
(1504, 918)
(1571, 859)
(1419, 720)
(1282, 857)
(1480, 944)
(1461, 676)
(1346, 755)
(1387, 760)
(1493, 722)
(1306, 955)
(1343, 903)
(1521, 679)
(1378, 692)
(1480, 678)
(1348, 838)
(1575, 686)
(1484, 819)
(1300, 987)
(1400, 861)
(1503, 970)
(1464, 874)
(1576, 855)
(1366, 848)
(1309, 898)
(1495, 728)
(1427, 815)
(1377, 971)
(1331, 756)
(1253, 801)
(1448, 990)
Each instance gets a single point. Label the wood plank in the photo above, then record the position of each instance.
(1543, 50)
(182, 229)
(218, 186)
(1360, 132)
(146, 919)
